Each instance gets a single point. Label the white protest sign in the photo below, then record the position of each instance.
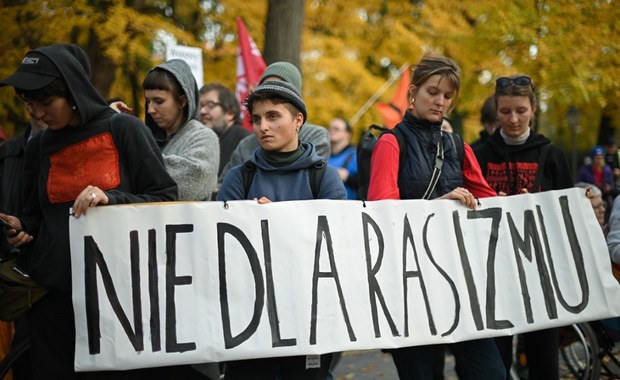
(165, 284)
(191, 55)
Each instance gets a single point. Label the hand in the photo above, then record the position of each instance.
(523, 191)
(15, 236)
(121, 107)
(502, 194)
(462, 195)
(344, 174)
(91, 196)
(263, 200)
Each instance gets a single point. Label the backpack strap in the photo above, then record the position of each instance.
(347, 160)
(316, 172)
(249, 169)
(459, 145)
(402, 146)
(436, 170)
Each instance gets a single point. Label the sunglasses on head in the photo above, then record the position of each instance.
(523, 80)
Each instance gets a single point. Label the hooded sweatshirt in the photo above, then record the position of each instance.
(114, 152)
(510, 168)
(192, 154)
(282, 183)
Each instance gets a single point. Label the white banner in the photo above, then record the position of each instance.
(191, 55)
(177, 283)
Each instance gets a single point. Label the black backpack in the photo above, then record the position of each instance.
(315, 174)
(367, 145)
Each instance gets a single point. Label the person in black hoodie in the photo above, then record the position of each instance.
(88, 156)
(517, 160)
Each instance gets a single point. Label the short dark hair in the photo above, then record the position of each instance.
(160, 79)
(57, 87)
(227, 99)
(275, 99)
(347, 126)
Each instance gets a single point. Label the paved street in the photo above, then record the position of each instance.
(373, 364)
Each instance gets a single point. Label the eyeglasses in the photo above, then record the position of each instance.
(210, 104)
(600, 206)
(523, 80)
(336, 129)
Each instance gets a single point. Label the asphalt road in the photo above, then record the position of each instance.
(373, 364)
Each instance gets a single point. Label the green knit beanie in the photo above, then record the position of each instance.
(285, 71)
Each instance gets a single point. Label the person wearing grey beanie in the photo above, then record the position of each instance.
(315, 134)
(283, 168)
(278, 90)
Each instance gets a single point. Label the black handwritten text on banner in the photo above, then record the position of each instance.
(197, 282)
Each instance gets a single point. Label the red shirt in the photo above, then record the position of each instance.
(385, 162)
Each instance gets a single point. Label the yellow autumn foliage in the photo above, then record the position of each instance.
(350, 48)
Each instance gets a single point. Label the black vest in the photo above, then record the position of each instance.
(421, 138)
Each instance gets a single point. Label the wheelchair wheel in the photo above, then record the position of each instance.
(579, 352)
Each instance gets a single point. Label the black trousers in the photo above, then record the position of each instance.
(51, 328)
(541, 351)
(282, 368)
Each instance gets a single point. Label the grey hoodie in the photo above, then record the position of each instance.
(192, 154)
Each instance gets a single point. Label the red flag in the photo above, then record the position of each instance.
(250, 67)
(392, 112)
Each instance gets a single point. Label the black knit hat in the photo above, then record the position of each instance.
(278, 90)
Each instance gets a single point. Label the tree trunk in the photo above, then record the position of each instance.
(102, 68)
(285, 20)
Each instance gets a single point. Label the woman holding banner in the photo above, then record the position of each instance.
(89, 156)
(517, 160)
(433, 91)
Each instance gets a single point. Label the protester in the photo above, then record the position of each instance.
(283, 166)
(613, 237)
(343, 154)
(191, 155)
(445, 125)
(191, 151)
(517, 160)
(433, 91)
(88, 156)
(488, 119)
(612, 158)
(599, 173)
(219, 110)
(318, 136)
(598, 203)
(11, 189)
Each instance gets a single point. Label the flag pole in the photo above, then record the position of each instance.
(377, 94)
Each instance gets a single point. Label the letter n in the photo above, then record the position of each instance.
(93, 259)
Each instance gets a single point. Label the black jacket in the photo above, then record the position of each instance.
(11, 179)
(118, 155)
(510, 168)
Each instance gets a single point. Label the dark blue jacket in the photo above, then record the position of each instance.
(421, 137)
(287, 183)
